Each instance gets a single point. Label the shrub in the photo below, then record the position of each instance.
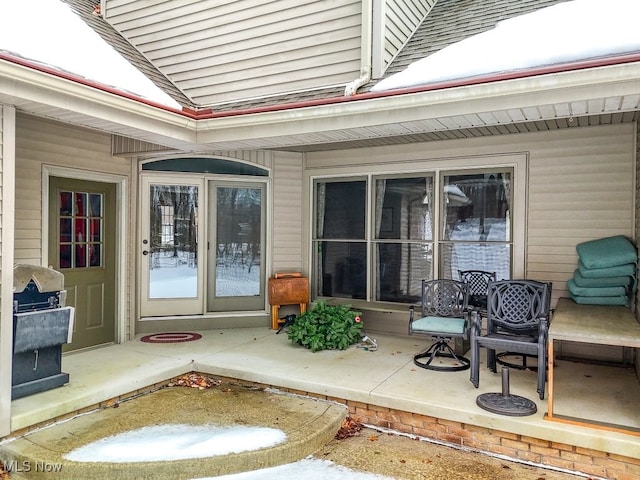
(326, 327)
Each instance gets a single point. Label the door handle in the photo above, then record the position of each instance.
(145, 252)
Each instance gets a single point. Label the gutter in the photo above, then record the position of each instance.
(366, 49)
(464, 82)
(75, 78)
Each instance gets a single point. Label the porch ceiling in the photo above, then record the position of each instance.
(604, 95)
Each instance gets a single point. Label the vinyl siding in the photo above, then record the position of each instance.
(7, 189)
(42, 142)
(578, 191)
(287, 213)
(258, 47)
(580, 186)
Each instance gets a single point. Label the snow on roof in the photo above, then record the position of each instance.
(51, 34)
(565, 32)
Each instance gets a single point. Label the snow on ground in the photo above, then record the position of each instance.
(180, 280)
(566, 32)
(179, 442)
(176, 442)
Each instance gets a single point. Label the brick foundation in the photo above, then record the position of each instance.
(514, 446)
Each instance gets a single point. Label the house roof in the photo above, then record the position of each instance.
(449, 21)
(603, 91)
(453, 20)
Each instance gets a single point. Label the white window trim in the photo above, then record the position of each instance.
(518, 162)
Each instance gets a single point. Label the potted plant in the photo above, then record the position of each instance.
(326, 327)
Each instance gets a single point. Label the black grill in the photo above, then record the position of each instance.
(41, 325)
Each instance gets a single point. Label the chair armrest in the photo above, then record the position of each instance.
(476, 322)
(411, 318)
(543, 328)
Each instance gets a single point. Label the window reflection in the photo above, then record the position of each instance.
(238, 240)
(173, 269)
(477, 224)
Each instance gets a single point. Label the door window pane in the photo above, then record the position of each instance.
(81, 202)
(80, 235)
(238, 232)
(95, 205)
(173, 267)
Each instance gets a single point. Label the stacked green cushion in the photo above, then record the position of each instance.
(615, 271)
(611, 281)
(621, 301)
(606, 271)
(579, 291)
(607, 252)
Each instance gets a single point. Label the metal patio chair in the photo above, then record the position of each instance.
(517, 322)
(478, 281)
(445, 316)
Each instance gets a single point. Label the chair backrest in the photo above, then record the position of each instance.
(444, 298)
(478, 281)
(517, 305)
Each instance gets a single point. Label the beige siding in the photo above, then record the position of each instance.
(7, 190)
(287, 214)
(40, 143)
(258, 47)
(580, 184)
(580, 188)
(402, 17)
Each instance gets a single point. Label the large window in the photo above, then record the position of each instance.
(476, 226)
(402, 237)
(377, 238)
(340, 238)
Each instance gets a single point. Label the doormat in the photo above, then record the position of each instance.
(173, 337)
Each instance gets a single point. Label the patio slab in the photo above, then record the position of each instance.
(307, 423)
(386, 377)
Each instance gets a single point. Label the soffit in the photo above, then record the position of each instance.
(605, 95)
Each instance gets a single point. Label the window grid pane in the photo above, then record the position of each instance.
(476, 231)
(80, 229)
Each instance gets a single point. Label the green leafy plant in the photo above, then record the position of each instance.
(326, 327)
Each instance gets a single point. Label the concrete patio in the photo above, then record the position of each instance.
(385, 377)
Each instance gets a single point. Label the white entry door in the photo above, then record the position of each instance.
(171, 247)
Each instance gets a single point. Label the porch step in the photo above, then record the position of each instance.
(308, 424)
